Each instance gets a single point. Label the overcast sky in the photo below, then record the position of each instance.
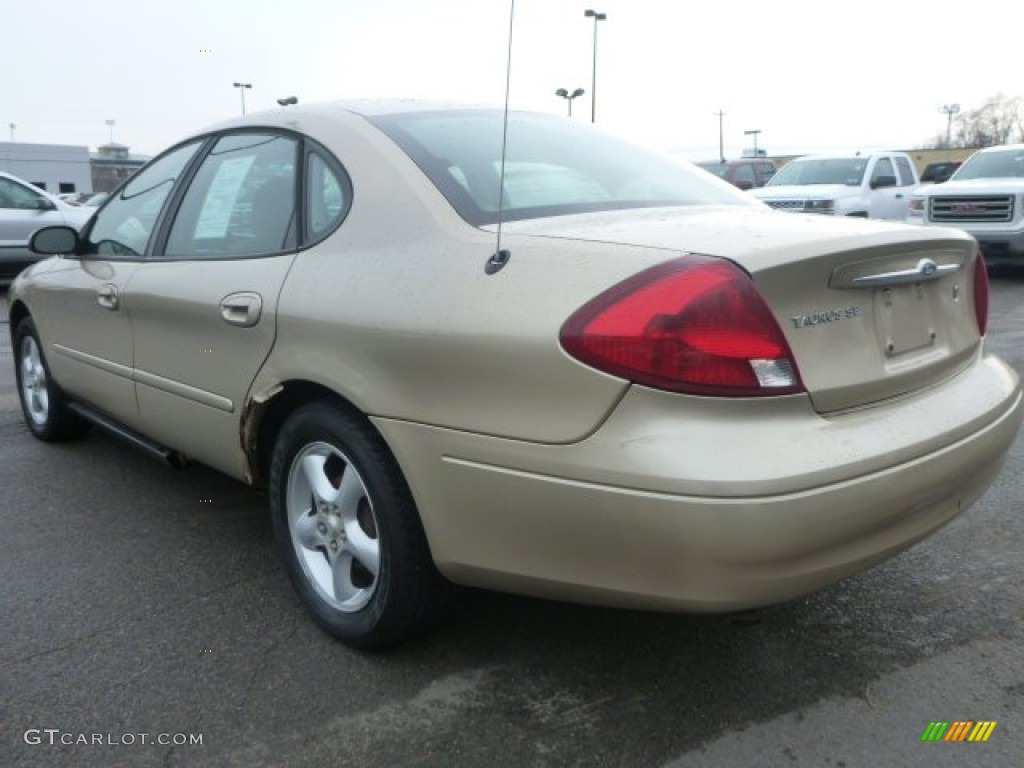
(811, 75)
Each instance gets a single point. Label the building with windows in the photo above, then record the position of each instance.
(61, 168)
(113, 163)
(57, 168)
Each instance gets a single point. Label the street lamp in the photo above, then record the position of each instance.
(592, 14)
(110, 125)
(754, 134)
(13, 126)
(949, 110)
(242, 87)
(287, 100)
(569, 96)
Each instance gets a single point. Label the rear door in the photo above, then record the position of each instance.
(205, 306)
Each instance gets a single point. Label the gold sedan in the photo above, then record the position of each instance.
(574, 368)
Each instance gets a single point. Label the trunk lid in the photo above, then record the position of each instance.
(871, 310)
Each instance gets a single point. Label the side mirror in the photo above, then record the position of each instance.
(42, 204)
(744, 183)
(880, 182)
(50, 241)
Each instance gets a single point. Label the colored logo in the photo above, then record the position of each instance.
(959, 730)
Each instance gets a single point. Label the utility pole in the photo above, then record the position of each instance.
(721, 136)
(949, 110)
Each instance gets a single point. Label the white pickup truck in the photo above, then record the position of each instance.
(877, 185)
(985, 198)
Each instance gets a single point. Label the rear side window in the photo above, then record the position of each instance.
(906, 174)
(241, 201)
(328, 197)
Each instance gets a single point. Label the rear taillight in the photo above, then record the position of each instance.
(981, 294)
(695, 324)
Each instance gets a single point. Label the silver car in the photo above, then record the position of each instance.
(24, 208)
(655, 392)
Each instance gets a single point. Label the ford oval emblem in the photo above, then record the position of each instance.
(927, 267)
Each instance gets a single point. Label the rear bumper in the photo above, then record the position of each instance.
(670, 507)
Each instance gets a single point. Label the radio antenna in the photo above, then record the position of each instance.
(500, 258)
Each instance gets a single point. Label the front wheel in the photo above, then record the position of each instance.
(348, 530)
(42, 402)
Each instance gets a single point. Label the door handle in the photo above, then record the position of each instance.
(106, 296)
(241, 309)
(899, 196)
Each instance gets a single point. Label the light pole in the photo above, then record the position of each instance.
(753, 133)
(721, 137)
(110, 125)
(242, 87)
(949, 110)
(592, 14)
(13, 126)
(569, 96)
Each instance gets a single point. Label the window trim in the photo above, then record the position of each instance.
(311, 147)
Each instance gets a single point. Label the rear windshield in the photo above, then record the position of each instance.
(1004, 164)
(821, 170)
(553, 166)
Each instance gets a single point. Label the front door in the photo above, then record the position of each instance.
(81, 308)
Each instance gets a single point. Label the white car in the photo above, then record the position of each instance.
(985, 198)
(24, 208)
(870, 186)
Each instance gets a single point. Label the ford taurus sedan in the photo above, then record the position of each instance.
(577, 369)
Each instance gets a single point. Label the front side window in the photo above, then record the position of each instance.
(241, 201)
(883, 168)
(14, 195)
(744, 173)
(552, 166)
(124, 227)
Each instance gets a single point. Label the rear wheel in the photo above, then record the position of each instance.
(348, 529)
(42, 402)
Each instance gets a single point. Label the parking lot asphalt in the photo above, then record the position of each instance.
(138, 599)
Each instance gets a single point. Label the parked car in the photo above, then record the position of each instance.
(95, 201)
(613, 380)
(871, 186)
(25, 208)
(985, 198)
(936, 173)
(745, 174)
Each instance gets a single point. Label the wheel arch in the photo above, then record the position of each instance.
(266, 412)
(17, 312)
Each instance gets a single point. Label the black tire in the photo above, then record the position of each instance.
(42, 402)
(327, 538)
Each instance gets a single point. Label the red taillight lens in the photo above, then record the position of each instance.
(695, 324)
(981, 294)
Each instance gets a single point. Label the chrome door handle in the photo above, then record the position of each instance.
(241, 309)
(106, 296)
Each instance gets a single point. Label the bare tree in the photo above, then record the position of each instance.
(997, 121)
